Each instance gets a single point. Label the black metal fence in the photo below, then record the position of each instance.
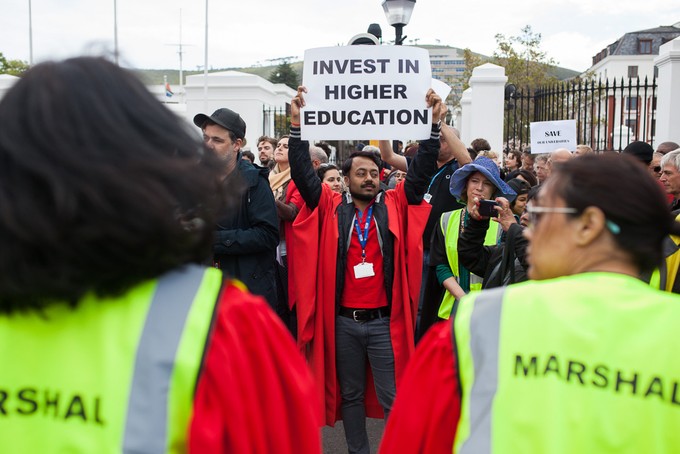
(275, 120)
(608, 115)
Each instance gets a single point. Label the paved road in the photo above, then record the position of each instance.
(334, 437)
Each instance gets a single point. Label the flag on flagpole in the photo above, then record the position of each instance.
(168, 90)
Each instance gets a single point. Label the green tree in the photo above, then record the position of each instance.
(526, 65)
(529, 69)
(12, 67)
(285, 74)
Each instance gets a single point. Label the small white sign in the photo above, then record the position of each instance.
(548, 136)
(366, 92)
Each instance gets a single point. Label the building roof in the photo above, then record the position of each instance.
(629, 44)
(675, 28)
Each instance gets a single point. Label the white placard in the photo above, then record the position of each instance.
(548, 136)
(441, 88)
(366, 92)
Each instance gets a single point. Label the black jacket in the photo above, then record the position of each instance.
(501, 264)
(247, 236)
(308, 183)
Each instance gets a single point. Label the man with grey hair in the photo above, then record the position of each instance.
(541, 167)
(670, 176)
(318, 156)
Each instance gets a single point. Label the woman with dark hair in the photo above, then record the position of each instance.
(522, 189)
(581, 359)
(288, 202)
(112, 337)
(329, 174)
(513, 161)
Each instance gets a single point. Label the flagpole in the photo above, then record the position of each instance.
(30, 34)
(181, 51)
(115, 31)
(205, 62)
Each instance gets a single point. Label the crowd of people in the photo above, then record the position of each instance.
(172, 295)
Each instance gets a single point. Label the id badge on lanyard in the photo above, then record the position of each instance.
(363, 269)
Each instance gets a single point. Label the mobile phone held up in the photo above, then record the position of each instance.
(487, 208)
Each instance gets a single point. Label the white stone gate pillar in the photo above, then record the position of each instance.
(465, 116)
(668, 94)
(485, 115)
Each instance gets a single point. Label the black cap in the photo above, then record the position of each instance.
(226, 118)
(640, 150)
(519, 186)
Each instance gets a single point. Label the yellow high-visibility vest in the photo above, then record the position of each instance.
(111, 375)
(450, 223)
(585, 363)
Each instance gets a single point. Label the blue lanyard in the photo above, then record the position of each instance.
(435, 177)
(363, 235)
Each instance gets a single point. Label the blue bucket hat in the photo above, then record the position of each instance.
(486, 167)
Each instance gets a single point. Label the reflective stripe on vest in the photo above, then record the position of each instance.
(450, 224)
(114, 374)
(583, 363)
(147, 411)
(483, 318)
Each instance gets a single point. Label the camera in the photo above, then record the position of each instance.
(486, 208)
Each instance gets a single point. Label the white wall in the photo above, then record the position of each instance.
(241, 92)
(668, 94)
(616, 67)
(6, 82)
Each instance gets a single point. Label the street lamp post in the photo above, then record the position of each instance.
(398, 13)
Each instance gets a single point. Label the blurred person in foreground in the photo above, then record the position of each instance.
(112, 337)
(581, 359)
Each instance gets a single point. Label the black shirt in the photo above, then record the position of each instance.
(442, 200)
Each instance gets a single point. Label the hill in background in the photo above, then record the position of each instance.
(155, 76)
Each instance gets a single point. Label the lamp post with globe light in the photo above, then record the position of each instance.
(398, 13)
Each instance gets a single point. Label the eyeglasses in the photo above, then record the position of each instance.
(656, 169)
(535, 211)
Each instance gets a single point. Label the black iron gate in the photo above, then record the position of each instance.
(275, 120)
(608, 115)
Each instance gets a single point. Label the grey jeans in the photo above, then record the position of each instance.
(354, 343)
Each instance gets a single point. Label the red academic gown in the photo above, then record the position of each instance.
(255, 393)
(315, 236)
(429, 387)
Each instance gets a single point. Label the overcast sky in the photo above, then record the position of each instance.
(248, 32)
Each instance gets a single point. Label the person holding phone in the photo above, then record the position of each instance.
(471, 184)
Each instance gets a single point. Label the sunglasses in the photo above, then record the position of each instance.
(656, 169)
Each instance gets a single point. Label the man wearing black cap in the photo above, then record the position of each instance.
(642, 151)
(247, 235)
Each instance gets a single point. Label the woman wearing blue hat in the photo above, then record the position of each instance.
(479, 180)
